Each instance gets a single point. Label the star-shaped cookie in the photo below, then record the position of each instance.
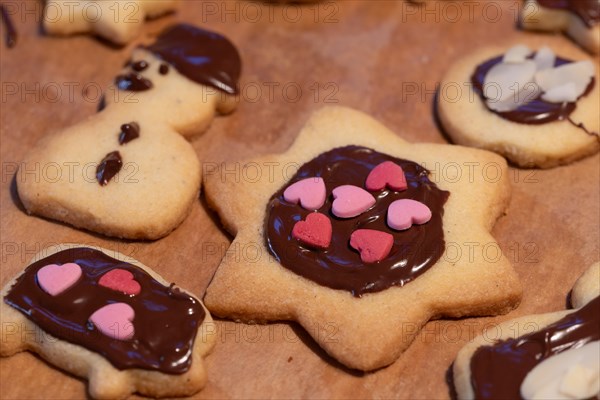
(118, 21)
(362, 320)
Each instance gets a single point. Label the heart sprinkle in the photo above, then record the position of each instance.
(315, 231)
(351, 201)
(55, 279)
(402, 214)
(372, 245)
(387, 174)
(120, 280)
(115, 320)
(310, 192)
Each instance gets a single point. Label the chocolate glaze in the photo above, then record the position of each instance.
(129, 132)
(166, 319)
(536, 111)
(139, 66)
(109, 166)
(498, 371)
(202, 56)
(11, 32)
(132, 81)
(340, 267)
(163, 69)
(587, 10)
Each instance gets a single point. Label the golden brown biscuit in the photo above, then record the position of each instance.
(504, 368)
(128, 171)
(75, 299)
(118, 21)
(365, 324)
(578, 19)
(469, 121)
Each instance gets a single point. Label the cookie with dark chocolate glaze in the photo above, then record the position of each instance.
(357, 235)
(550, 356)
(110, 319)
(533, 114)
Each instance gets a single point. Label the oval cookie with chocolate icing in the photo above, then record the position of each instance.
(534, 103)
(114, 321)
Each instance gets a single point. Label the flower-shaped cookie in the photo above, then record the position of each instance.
(328, 265)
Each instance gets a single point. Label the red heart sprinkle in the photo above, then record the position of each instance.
(315, 231)
(386, 174)
(120, 280)
(372, 245)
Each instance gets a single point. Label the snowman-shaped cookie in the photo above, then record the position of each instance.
(129, 171)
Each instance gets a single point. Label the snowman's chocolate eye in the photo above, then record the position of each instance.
(139, 66)
(133, 82)
(163, 69)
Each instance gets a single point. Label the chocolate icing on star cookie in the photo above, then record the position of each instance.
(166, 319)
(339, 266)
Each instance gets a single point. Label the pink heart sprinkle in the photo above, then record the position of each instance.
(372, 245)
(55, 279)
(310, 192)
(315, 231)
(387, 174)
(402, 214)
(115, 320)
(120, 280)
(351, 201)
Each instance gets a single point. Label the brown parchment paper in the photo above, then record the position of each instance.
(381, 57)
